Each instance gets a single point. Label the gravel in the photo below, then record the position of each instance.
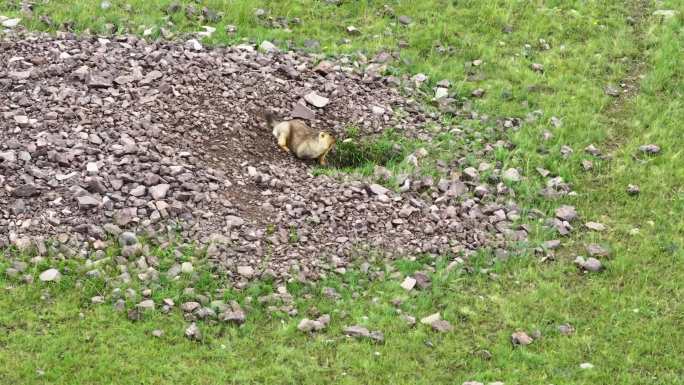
(126, 136)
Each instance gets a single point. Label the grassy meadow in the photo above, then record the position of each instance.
(628, 319)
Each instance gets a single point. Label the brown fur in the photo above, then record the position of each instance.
(295, 137)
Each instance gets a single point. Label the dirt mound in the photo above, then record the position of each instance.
(101, 135)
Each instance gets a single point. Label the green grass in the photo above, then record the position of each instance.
(627, 319)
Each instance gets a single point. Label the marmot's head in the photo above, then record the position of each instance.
(326, 139)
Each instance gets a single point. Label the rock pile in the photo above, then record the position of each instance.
(101, 136)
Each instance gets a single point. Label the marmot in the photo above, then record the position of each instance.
(295, 137)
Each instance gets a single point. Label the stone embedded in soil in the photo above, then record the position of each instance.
(566, 213)
(356, 331)
(50, 275)
(245, 271)
(267, 46)
(147, 304)
(589, 264)
(306, 325)
(10, 23)
(423, 280)
(430, 319)
(511, 175)
(521, 338)
(187, 268)
(159, 191)
(612, 90)
(633, 189)
(302, 112)
(478, 92)
(127, 238)
(408, 284)
(587, 165)
(595, 226)
(237, 316)
(651, 149)
(316, 100)
(353, 30)
(595, 250)
(157, 333)
(537, 67)
(193, 332)
(552, 244)
(566, 329)
(405, 20)
(441, 326)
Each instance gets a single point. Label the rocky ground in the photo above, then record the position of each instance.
(99, 136)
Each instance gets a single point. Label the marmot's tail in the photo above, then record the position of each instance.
(269, 117)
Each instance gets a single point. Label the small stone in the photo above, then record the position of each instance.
(87, 202)
(566, 213)
(441, 92)
(356, 331)
(611, 90)
(194, 45)
(595, 226)
(306, 325)
(410, 320)
(353, 30)
(316, 100)
(478, 92)
(511, 175)
(127, 238)
(378, 189)
(651, 149)
(193, 332)
(587, 165)
(430, 319)
(157, 333)
(11, 23)
(591, 149)
(21, 120)
(233, 221)
(592, 264)
(97, 300)
(665, 13)
(472, 383)
(551, 245)
(237, 317)
(441, 326)
(566, 329)
(159, 191)
(408, 283)
(595, 250)
(246, 271)
(521, 338)
(586, 365)
(147, 304)
(267, 46)
(189, 307)
(105, 5)
(187, 268)
(50, 275)
(537, 67)
(302, 112)
(377, 336)
(633, 189)
(405, 20)
(423, 280)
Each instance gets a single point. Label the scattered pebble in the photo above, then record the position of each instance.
(521, 338)
(50, 275)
